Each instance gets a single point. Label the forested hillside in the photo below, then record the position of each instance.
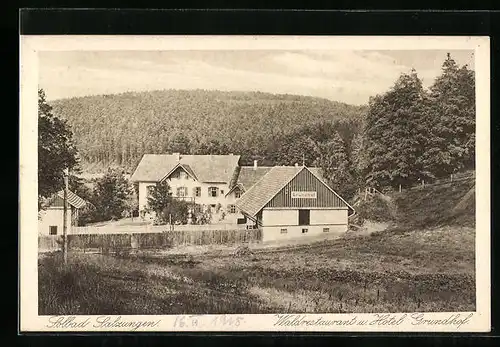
(277, 129)
(404, 136)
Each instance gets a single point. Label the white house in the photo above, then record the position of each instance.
(293, 202)
(51, 219)
(201, 179)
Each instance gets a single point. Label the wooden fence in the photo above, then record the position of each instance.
(150, 228)
(167, 239)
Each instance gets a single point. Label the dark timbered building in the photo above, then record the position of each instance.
(293, 202)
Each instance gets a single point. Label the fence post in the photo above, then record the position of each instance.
(400, 188)
(451, 177)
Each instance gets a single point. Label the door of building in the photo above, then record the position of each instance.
(304, 217)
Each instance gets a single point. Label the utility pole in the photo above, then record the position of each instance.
(65, 217)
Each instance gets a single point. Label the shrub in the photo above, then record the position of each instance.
(375, 209)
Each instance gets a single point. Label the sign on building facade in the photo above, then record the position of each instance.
(304, 195)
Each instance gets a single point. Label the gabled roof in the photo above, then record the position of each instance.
(266, 188)
(73, 199)
(207, 168)
(270, 184)
(185, 167)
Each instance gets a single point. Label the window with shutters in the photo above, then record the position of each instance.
(237, 193)
(212, 191)
(197, 192)
(231, 208)
(182, 191)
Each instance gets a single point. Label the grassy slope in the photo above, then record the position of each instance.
(425, 271)
(435, 206)
(427, 207)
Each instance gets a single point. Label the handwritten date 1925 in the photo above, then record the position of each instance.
(199, 321)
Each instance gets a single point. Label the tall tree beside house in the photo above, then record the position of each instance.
(165, 207)
(56, 150)
(111, 194)
(132, 203)
(450, 120)
(160, 196)
(77, 185)
(395, 135)
(335, 165)
(358, 159)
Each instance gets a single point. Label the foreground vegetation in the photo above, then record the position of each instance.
(429, 270)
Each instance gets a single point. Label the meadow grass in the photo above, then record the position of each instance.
(425, 270)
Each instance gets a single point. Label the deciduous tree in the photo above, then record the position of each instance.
(111, 193)
(394, 134)
(56, 150)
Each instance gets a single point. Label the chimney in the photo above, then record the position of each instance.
(177, 156)
(296, 165)
(255, 164)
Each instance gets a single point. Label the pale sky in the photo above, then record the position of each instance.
(341, 75)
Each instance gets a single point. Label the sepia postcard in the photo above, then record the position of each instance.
(254, 183)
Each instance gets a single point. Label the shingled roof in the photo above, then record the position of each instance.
(207, 168)
(250, 175)
(266, 188)
(270, 184)
(73, 199)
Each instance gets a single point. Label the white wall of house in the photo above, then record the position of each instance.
(271, 233)
(190, 184)
(332, 216)
(231, 200)
(143, 194)
(53, 216)
(282, 224)
(277, 217)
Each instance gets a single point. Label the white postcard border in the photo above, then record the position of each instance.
(478, 321)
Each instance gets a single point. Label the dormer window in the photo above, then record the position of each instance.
(212, 191)
(237, 193)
